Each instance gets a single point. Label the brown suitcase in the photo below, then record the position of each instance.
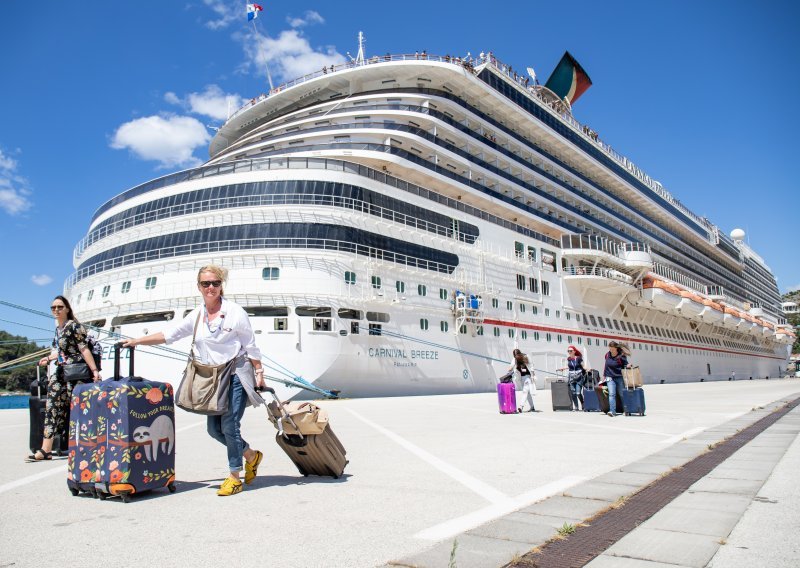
(602, 399)
(313, 454)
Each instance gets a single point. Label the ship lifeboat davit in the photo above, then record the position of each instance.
(691, 305)
(731, 318)
(750, 324)
(712, 311)
(661, 295)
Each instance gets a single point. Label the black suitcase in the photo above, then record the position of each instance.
(36, 406)
(559, 391)
(312, 454)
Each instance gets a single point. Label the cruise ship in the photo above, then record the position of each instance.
(397, 225)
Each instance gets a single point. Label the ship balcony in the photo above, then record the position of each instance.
(715, 293)
(628, 257)
(599, 278)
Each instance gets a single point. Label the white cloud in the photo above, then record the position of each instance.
(14, 191)
(289, 55)
(169, 140)
(41, 279)
(212, 102)
(310, 17)
(226, 13)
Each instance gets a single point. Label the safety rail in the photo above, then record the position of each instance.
(602, 244)
(602, 271)
(260, 243)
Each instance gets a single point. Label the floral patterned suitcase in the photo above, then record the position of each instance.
(122, 436)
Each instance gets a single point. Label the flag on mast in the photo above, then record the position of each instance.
(568, 80)
(252, 11)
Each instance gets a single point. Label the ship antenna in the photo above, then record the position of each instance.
(360, 56)
(266, 63)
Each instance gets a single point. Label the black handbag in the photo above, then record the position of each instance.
(77, 373)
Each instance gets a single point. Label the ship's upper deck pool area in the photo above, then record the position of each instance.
(422, 470)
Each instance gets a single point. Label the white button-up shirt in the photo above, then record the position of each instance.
(228, 336)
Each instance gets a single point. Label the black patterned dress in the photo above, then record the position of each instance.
(67, 343)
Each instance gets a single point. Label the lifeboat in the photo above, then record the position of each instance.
(691, 305)
(785, 336)
(731, 318)
(712, 311)
(661, 295)
(750, 324)
(767, 328)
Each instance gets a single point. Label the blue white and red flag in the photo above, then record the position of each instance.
(252, 11)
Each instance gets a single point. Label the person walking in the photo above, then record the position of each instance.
(576, 369)
(69, 348)
(520, 366)
(223, 333)
(615, 361)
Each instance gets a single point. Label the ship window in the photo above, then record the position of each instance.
(534, 285)
(520, 282)
(495, 303)
(580, 340)
(584, 320)
(142, 318)
(400, 286)
(616, 325)
(270, 273)
(126, 287)
(549, 337)
(423, 324)
(522, 308)
(106, 290)
(443, 294)
(547, 312)
(267, 311)
(569, 316)
(519, 249)
(535, 310)
(596, 341)
(443, 325)
(95, 323)
(349, 313)
(532, 254)
(313, 311)
(536, 336)
(349, 277)
(480, 330)
(321, 324)
(545, 288)
(594, 321)
(354, 328)
(150, 283)
(376, 282)
(497, 332)
(511, 333)
(559, 337)
(603, 325)
(558, 313)
(463, 329)
(608, 321)
(378, 316)
(280, 324)
(509, 305)
(375, 328)
(89, 295)
(422, 290)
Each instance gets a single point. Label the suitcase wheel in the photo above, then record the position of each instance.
(172, 488)
(103, 496)
(627, 414)
(126, 497)
(74, 491)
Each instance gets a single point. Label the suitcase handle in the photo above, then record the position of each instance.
(117, 349)
(284, 415)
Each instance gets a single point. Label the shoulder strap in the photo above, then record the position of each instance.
(194, 334)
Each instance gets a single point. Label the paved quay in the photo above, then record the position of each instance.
(425, 472)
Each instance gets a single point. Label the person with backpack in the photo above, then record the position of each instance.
(75, 363)
(615, 361)
(520, 366)
(576, 369)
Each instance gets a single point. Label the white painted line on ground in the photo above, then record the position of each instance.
(483, 489)
(62, 469)
(458, 525)
(679, 437)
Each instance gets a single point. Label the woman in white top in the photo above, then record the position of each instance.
(520, 365)
(224, 333)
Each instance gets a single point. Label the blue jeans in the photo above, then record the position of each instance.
(615, 385)
(226, 429)
(576, 393)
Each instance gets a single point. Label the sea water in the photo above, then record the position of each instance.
(14, 401)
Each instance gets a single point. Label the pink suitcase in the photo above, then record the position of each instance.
(507, 397)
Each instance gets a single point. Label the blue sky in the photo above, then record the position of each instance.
(98, 97)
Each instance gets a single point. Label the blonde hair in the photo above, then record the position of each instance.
(218, 271)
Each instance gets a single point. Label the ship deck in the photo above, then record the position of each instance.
(423, 471)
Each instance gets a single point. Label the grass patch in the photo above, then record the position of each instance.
(452, 563)
(566, 530)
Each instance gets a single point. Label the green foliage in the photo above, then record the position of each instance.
(13, 347)
(793, 319)
(566, 529)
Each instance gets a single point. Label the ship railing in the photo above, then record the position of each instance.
(238, 245)
(268, 200)
(601, 271)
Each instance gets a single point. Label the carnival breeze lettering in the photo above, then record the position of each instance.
(402, 353)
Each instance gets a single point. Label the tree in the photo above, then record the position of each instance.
(12, 347)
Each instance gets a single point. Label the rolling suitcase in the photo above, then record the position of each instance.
(602, 399)
(317, 453)
(633, 401)
(37, 403)
(507, 398)
(559, 391)
(122, 436)
(590, 401)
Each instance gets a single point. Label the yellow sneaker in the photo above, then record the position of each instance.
(230, 486)
(251, 468)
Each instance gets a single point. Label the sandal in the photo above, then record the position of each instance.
(34, 457)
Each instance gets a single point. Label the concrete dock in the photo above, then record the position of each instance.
(426, 472)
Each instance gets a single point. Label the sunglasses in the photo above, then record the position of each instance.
(214, 283)
(570, 351)
(57, 308)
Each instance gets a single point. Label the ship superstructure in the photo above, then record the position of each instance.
(398, 224)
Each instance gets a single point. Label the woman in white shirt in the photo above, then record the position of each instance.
(224, 333)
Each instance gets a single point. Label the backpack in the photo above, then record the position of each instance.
(97, 350)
